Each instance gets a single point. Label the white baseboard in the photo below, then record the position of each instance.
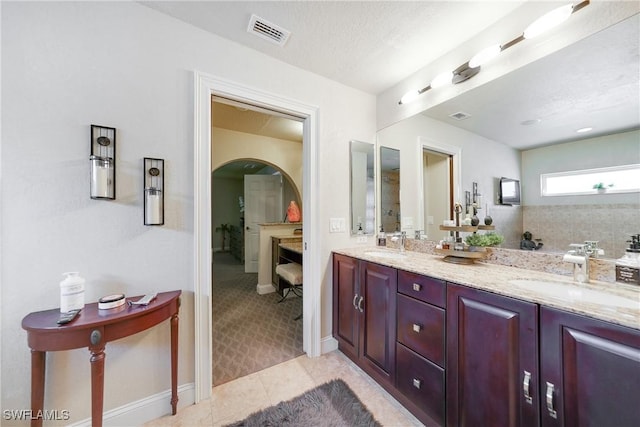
(144, 410)
(328, 344)
(265, 289)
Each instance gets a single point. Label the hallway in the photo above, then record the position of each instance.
(251, 332)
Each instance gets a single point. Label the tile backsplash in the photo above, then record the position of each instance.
(559, 225)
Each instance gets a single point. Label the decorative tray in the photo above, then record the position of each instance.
(461, 257)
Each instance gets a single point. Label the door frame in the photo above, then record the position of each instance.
(456, 159)
(206, 85)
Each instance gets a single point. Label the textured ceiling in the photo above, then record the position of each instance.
(373, 45)
(369, 45)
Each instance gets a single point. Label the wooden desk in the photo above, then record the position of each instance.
(94, 328)
(276, 258)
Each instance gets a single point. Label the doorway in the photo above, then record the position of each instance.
(250, 331)
(206, 86)
(440, 165)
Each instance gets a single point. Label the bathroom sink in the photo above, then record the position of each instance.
(575, 294)
(388, 255)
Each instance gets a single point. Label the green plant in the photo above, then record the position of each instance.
(601, 186)
(225, 228)
(489, 239)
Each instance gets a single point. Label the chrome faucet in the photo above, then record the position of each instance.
(579, 257)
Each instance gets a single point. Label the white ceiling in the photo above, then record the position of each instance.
(373, 45)
(369, 45)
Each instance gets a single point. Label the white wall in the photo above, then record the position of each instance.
(231, 145)
(66, 65)
(483, 161)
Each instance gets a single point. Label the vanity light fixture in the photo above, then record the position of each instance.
(469, 69)
(485, 55)
(442, 79)
(102, 174)
(153, 191)
(548, 21)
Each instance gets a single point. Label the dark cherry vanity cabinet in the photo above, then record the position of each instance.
(420, 350)
(492, 359)
(364, 315)
(583, 372)
(589, 371)
(459, 356)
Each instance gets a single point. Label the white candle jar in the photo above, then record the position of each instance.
(102, 178)
(153, 207)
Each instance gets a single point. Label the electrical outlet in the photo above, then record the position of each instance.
(361, 239)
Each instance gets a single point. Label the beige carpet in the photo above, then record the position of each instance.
(251, 332)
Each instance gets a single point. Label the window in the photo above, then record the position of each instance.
(616, 179)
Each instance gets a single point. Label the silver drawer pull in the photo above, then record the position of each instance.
(417, 328)
(354, 301)
(360, 304)
(417, 383)
(549, 395)
(526, 386)
(417, 287)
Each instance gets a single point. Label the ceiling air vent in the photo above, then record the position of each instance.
(460, 115)
(268, 31)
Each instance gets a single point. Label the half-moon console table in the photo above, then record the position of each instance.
(94, 328)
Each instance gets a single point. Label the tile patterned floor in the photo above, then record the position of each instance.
(235, 400)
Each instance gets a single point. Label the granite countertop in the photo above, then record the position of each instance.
(290, 237)
(614, 302)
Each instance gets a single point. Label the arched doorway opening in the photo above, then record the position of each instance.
(250, 331)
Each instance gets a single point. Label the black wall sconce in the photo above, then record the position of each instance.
(153, 191)
(102, 175)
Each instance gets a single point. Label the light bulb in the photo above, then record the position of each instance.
(484, 56)
(548, 21)
(442, 79)
(409, 96)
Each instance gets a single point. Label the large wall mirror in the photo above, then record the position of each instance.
(363, 206)
(390, 218)
(524, 124)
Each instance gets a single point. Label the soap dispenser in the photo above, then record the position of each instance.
(628, 267)
(382, 238)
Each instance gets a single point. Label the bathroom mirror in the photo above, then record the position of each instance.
(390, 218)
(528, 123)
(363, 204)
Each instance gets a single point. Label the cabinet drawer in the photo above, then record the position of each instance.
(424, 288)
(421, 381)
(421, 328)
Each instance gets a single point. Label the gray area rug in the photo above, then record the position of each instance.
(331, 404)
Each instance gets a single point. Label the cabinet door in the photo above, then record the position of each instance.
(345, 299)
(492, 360)
(590, 371)
(378, 285)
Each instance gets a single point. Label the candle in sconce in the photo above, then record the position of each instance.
(153, 212)
(101, 178)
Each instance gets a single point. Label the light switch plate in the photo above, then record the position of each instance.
(337, 225)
